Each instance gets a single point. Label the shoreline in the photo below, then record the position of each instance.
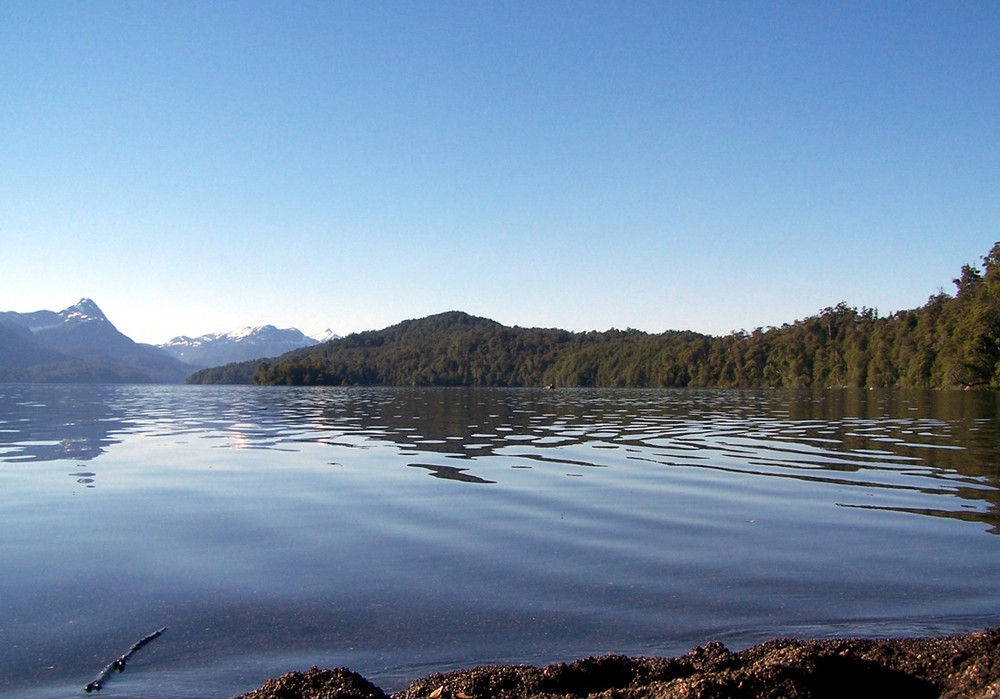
(966, 665)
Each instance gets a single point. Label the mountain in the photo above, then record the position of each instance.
(18, 350)
(325, 336)
(79, 344)
(241, 345)
(84, 311)
(452, 348)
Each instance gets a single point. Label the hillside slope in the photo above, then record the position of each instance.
(951, 342)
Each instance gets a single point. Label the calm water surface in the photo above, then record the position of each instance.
(405, 531)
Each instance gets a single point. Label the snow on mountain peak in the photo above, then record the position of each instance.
(325, 336)
(84, 309)
(237, 335)
(248, 342)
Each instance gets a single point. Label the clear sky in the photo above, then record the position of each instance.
(199, 166)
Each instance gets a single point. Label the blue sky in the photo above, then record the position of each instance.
(198, 166)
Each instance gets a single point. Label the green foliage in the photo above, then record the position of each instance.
(951, 342)
(977, 326)
(235, 373)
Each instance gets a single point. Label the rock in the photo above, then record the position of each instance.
(321, 684)
(950, 667)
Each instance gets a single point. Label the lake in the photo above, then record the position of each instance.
(404, 531)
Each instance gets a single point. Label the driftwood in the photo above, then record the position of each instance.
(119, 664)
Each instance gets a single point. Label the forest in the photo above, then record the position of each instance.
(950, 342)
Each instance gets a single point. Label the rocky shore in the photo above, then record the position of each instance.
(954, 666)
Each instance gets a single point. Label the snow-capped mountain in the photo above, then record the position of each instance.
(215, 349)
(325, 336)
(79, 343)
(82, 311)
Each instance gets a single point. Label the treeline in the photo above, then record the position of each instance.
(234, 373)
(951, 342)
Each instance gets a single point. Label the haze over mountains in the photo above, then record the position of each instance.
(80, 344)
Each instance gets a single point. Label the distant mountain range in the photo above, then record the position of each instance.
(241, 345)
(950, 342)
(79, 344)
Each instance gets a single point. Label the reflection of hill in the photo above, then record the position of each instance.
(940, 446)
(64, 423)
(460, 423)
(852, 438)
(450, 473)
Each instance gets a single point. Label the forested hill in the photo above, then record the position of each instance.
(951, 342)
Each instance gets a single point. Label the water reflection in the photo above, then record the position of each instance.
(85, 478)
(399, 531)
(935, 443)
(46, 423)
(451, 473)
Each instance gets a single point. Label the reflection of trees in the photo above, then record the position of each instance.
(450, 473)
(938, 443)
(952, 436)
(935, 443)
(962, 515)
(443, 421)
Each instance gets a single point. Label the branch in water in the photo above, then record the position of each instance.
(119, 664)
